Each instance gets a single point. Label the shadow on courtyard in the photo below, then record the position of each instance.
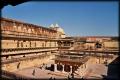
(113, 70)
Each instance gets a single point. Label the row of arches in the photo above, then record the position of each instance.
(26, 28)
(27, 44)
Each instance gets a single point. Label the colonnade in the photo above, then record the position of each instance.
(63, 68)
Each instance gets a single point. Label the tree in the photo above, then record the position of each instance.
(98, 45)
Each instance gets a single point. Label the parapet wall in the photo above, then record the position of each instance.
(26, 63)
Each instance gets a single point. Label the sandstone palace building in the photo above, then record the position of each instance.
(27, 45)
(21, 40)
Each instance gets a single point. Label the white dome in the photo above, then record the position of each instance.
(56, 25)
(60, 30)
(57, 28)
(51, 25)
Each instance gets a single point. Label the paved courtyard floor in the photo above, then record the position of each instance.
(93, 70)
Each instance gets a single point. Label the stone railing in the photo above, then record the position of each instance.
(27, 51)
(75, 59)
(24, 34)
(24, 58)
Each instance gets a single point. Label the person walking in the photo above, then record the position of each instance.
(72, 75)
(33, 72)
(68, 77)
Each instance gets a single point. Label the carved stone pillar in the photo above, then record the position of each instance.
(70, 69)
(55, 67)
(63, 68)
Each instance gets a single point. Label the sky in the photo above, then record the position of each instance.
(76, 18)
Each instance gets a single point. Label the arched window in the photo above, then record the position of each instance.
(17, 43)
(50, 44)
(42, 44)
(15, 28)
(35, 44)
(24, 29)
(29, 30)
(30, 43)
(19, 28)
(21, 44)
(33, 31)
